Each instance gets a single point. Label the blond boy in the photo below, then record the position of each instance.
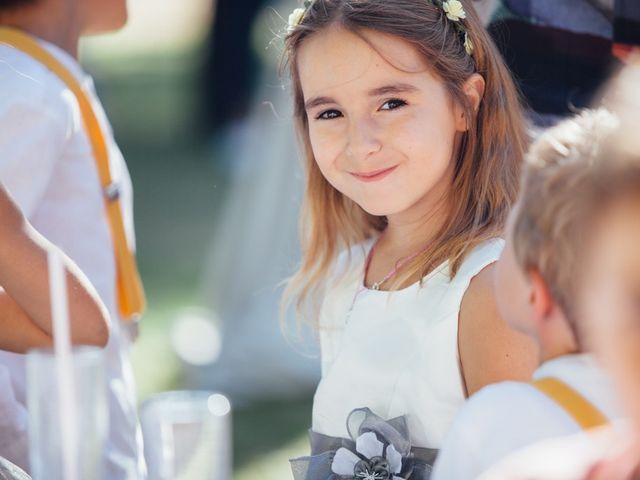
(542, 291)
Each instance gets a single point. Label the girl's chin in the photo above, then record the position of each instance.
(377, 209)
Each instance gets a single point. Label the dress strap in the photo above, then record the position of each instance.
(361, 284)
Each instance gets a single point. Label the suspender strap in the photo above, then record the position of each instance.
(131, 300)
(579, 408)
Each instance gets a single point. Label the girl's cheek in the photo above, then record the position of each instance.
(326, 146)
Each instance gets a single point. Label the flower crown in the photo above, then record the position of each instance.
(453, 9)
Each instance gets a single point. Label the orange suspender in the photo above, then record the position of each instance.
(130, 293)
(580, 409)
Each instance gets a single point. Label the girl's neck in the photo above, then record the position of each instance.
(54, 25)
(410, 230)
(404, 238)
(413, 229)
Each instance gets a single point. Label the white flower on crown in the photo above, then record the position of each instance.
(295, 18)
(468, 44)
(454, 10)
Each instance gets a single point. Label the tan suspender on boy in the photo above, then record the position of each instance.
(131, 300)
(578, 407)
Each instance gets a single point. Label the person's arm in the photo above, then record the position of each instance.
(490, 351)
(25, 308)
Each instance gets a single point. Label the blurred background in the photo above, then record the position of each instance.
(203, 118)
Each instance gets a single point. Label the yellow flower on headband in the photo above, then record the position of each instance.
(295, 18)
(468, 44)
(454, 10)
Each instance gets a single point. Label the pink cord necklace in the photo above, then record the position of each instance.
(399, 264)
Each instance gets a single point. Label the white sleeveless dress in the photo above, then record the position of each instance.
(395, 353)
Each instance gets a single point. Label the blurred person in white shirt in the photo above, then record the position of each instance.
(48, 166)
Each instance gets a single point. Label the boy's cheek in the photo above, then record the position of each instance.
(623, 362)
(607, 291)
(595, 306)
(609, 315)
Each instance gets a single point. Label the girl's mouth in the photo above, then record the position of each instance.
(373, 176)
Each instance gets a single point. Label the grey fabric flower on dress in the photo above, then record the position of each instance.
(376, 449)
(372, 460)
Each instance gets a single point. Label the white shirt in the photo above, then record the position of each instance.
(564, 458)
(395, 353)
(505, 417)
(47, 165)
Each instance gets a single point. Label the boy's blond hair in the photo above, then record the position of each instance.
(573, 171)
(556, 200)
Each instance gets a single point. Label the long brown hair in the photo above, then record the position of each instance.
(488, 160)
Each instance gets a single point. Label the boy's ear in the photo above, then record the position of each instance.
(540, 297)
(473, 88)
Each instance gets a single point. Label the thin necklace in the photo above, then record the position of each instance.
(399, 264)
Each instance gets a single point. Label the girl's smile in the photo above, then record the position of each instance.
(373, 176)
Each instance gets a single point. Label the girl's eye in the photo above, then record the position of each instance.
(393, 104)
(329, 115)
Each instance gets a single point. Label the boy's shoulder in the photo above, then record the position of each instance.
(496, 421)
(27, 82)
(510, 412)
(501, 404)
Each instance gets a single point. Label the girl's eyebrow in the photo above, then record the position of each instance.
(318, 101)
(392, 89)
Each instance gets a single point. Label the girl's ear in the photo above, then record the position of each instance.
(473, 89)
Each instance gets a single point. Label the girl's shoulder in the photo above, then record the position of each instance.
(342, 283)
(481, 256)
(352, 258)
(350, 261)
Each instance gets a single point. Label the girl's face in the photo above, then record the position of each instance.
(382, 128)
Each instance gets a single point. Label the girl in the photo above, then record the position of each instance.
(413, 136)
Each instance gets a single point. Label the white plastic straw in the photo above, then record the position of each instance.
(64, 365)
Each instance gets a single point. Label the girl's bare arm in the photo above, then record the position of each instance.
(490, 350)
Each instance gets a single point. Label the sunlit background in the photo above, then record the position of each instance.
(203, 119)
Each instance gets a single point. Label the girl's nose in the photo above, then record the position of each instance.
(363, 139)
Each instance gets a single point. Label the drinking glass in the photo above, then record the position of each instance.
(45, 422)
(187, 436)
